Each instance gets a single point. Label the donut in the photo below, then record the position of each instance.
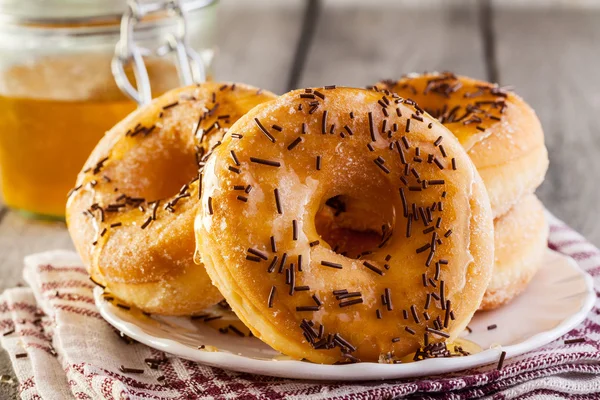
(417, 287)
(131, 213)
(500, 132)
(520, 238)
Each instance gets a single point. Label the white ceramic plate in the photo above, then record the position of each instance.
(556, 301)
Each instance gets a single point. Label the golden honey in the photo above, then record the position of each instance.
(52, 114)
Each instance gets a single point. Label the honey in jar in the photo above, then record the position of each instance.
(52, 114)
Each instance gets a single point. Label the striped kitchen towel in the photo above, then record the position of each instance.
(61, 348)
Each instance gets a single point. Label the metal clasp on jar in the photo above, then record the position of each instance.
(190, 66)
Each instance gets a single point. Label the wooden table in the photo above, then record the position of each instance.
(549, 53)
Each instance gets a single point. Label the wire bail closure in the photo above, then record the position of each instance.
(190, 67)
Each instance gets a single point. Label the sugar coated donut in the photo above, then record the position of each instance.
(379, 155)
(500, 132)
(131, 214)
(520, 238)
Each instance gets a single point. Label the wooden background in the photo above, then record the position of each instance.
(548, 50)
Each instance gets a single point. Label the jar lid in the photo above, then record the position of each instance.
(74, 12)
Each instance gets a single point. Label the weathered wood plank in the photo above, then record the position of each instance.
(257, 40)
(359, 43)
(551, 57)
(19, 237)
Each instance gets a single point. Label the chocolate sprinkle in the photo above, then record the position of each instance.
(331, 264)
(272, 265)
(380, 165)
(127, 370)
(317, 300)
(351, 302)
(307, 308)
(437, 332)
(423, 248)
(388, 298)
(278, 201)
(371, 127)
(264, 131)
(294, 143)
(234, 157)
(265, 162)
(97, 283)
(271, 295)
(501, 361)
(282, 263)
(258, 253)
(170, 105)
(373, 268)
(576, 340)
(413, 311)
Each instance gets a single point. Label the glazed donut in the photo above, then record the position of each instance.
(417, 286)
(500, 132)
(131, 214)
(520, 238)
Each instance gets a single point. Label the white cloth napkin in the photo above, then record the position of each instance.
(89, 350)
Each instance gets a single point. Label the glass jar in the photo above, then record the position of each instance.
(58, 95)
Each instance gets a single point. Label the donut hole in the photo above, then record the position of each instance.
(151, 169)
(354, 227)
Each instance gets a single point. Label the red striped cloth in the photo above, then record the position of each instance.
(59, 317)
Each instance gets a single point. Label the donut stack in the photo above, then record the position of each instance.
(505, 141)
(340, 224)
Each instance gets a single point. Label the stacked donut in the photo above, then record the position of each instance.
(340, 224)
(505, 141)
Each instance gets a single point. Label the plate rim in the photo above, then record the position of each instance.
(368, 370)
